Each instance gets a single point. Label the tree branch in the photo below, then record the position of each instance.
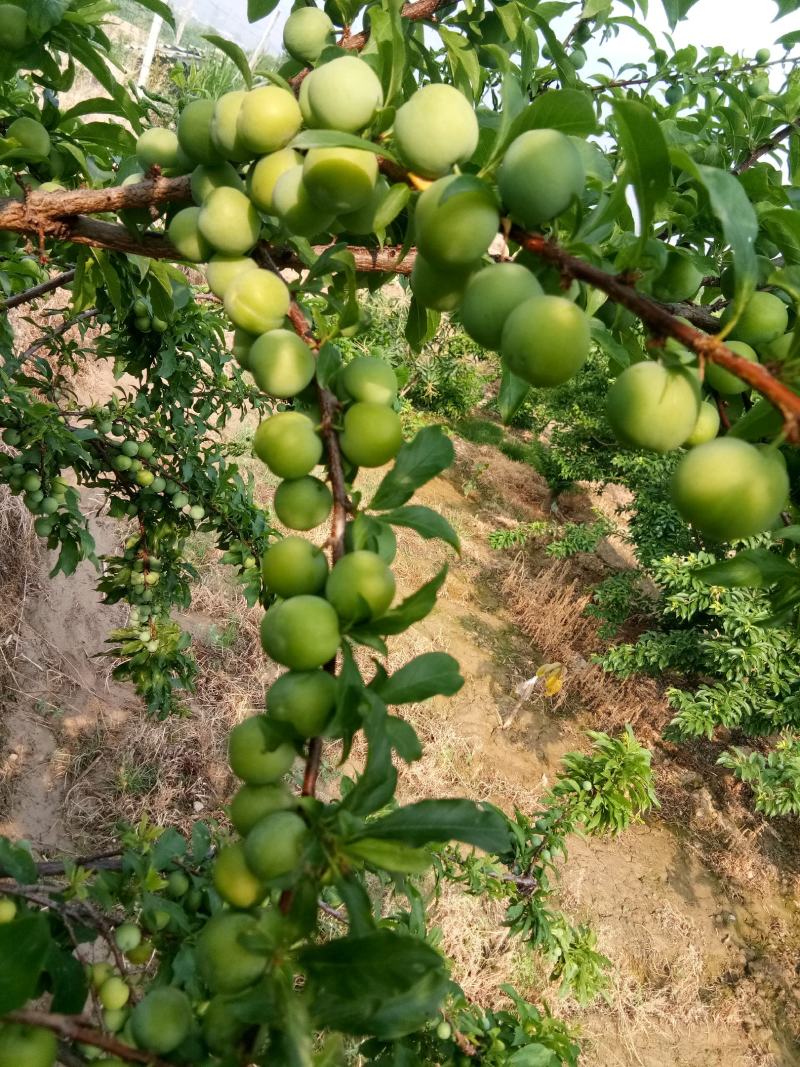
(78, 1028)
(414, 12)
(56, 282)
(766, 147)
(664, 324)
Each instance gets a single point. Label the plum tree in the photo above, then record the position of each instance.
(679, 280)
(546, 340)
(263, 175)
(360, 586)
(274, 845)
(727, 489)
(489, 298)
(162, 1020)
(281, 363)
(26, 1046)
(304, 699)
(288, 444)
(723, 381)
(251, 803)
(229, 222)
(257, 301)
(340, 179)
(372, 434)
(194, 132)
(306, 32)
(293, 567)
(184, 233)
(652, 406)
(303, 503)
(295, 208)
(763, 320)
(233, 879)
(225, 962)
(268, 119)
(435, 129)
(454, 227)
(344, 94)
(252, 757)
(371, 380)
(301, 633)
(541, 174)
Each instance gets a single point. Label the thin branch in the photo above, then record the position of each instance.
(65, 326)
(333, 912)
(766, 147)
(78, 1028)
(56, 282)
(664, 324)
(414, 12)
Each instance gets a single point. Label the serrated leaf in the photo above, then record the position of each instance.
(419, 460)
(427, 821)
(647, 164)
(24, 944)
(428, 675)
(424, 521)
(234, 53)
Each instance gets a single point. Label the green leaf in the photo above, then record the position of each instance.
(234, 53)
(421, 459)
(677, 10)
(337, 139)
(425, 521)
(86, 54)
(534, 1055)
(17, 862)
(329, 361)
(384, 984)
(513, 391)
(753, 568)
(647, 165)
(427, 821)
(375, 787)
(783, 226)
(259, 9)
(569, 110)
(408, 611)
(24, 944)
(429, 675)
(390, 855)
(762, 420)
(421, 324)
(391, 205)
(68, 980)
(43, 15)
(158, 7)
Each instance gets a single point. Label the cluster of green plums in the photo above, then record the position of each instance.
(42, 495)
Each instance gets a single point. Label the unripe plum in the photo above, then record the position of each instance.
(274, 845)
(261, 177)
(184, 233)
(13, 27)
(229, 222)
(301, 633)
(221, 270)
(224, 127)
(442, 290)
(344, 94)
(546, 340)
(454, 228)
(307, 31)
(764, 318)
(26, 1046)
(304, 699)
(370, 379)
(577, 58)
(32, 136)
(652, 406)
(295, 208)
(205, 179)
(540, 176)
(360, 587)
(340, 179)
(242, 343)
(281, 363)
(268, 119)
(194, 131)
(233, 879)
(679, 280)
(724, 381)
(288, 444)
(158, 147)
(727, 489)
(225, 964)
(114, 993)
(363, 221)
(380, 539)
(673, 95)
(706, 428)
(372, 434)
(257, 301)
(252, 802)
(294, 567)
(162, 1021)
(435, 129)
(778, 350)
(490, 297)
(127, 936)
(250, 757)
(303, 503)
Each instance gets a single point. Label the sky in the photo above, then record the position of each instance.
(745, 25)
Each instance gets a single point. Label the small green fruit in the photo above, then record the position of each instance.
(706, 428)
(248, 754)
(541, 174)
(546, 340)
(293, 205)
(268, 119)
(303, 503)
(490, 297)
(281, 363)
(306, 32)
(158, 147)
(184, 233)
(32, 136)
(226, 965)
(654, 407)
(114, 994)
(455, 227)
(294, 567)
(252, 802)
(763, 320)
(724, 381)
(301, 633)
(304, 699)
(221, 271)
(229, 222)
(288, 444)
(340, 179)
(225, 127)
(127, 936)
(344, 94)
(360, 587)
(233, 879)
(274, 845)
(162, 1020)
(435, 129)
(257, 301)
(26, 1046)
(205, 179)
(194, 131)
(371, 380)
(262, 177)
(372, 434)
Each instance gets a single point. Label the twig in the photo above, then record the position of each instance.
(105, 861)
(334, 914)
(79, 1028)
(766, 147)
(56, 282)
(65, 326)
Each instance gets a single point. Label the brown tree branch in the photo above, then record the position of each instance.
(767, 147)
(56, 282)
(664, 324)
(78, 1028)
